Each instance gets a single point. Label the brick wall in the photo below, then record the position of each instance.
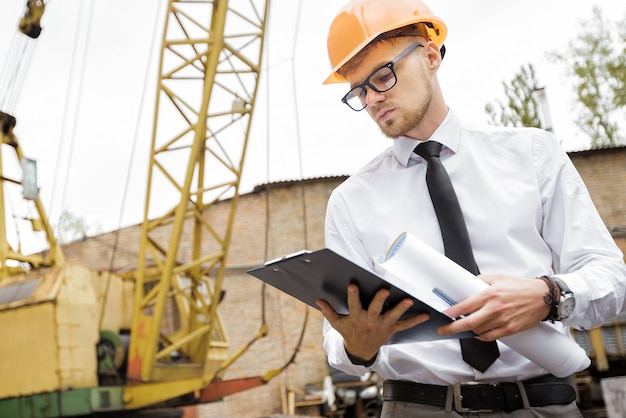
(272, 221)
(604, 173)
(283, 218)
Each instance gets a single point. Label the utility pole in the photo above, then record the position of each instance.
(544, 109)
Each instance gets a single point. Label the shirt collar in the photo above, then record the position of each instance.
(447, 133)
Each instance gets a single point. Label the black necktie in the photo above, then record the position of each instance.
(478, 354)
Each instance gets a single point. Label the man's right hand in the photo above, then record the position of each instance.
(365, 330)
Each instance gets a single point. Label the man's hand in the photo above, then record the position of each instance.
(365, 331)
(510, 305)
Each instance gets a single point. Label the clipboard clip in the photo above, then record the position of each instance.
(285, 257)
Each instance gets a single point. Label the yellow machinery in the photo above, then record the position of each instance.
(102, 342)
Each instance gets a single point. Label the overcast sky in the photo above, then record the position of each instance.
(94, 100)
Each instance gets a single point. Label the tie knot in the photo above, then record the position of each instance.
(428, 149)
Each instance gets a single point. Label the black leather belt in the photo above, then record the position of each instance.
(483, 396)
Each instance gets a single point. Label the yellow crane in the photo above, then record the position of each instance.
(10, 256)
(102, 342)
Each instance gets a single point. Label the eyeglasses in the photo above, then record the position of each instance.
(381, 80)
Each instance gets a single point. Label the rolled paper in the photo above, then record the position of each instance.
(421, 271)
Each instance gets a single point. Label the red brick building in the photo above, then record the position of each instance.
(281, 218)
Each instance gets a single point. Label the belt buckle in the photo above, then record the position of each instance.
(458, 397)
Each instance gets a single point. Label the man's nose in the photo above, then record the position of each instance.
(373, 97)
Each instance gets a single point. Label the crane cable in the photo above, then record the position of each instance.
(302, 190)
(117, 233)
(77, 107)
(263, 328)
(262, 332)
(13, 75)
(20, 54)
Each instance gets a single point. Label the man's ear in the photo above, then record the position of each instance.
(433, 54)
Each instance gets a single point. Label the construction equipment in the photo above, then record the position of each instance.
(606, 346)
(102, 342)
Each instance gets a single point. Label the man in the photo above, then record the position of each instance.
(536, 237)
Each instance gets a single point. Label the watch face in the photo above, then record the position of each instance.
(566, 307)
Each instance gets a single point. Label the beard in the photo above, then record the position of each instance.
(408, 119)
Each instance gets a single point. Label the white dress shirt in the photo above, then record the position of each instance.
(527, 211)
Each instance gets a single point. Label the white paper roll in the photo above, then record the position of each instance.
(420, 270)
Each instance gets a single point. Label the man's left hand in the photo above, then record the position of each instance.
(510, 305)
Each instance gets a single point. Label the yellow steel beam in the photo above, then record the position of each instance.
(208, 78)
(10, 257)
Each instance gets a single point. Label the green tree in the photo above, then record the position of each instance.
(73, 228)
(598, 65)
(617, 69)
(522, 106)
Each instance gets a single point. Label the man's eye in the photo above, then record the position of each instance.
(383, 76)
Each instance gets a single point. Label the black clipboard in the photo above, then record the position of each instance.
(324, 274)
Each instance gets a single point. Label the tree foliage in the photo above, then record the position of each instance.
(597, 63)
(617, 68)
(522, 106)
(73, 228)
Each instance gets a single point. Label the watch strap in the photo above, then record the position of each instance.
(549, 298)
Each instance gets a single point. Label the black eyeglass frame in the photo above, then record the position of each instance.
(357, 90)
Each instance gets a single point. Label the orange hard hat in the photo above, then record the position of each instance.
(361, 21)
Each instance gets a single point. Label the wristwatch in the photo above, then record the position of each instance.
(566, 303)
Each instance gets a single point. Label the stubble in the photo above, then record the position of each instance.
(408, 119)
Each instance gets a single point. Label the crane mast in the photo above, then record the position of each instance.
(209, 70)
